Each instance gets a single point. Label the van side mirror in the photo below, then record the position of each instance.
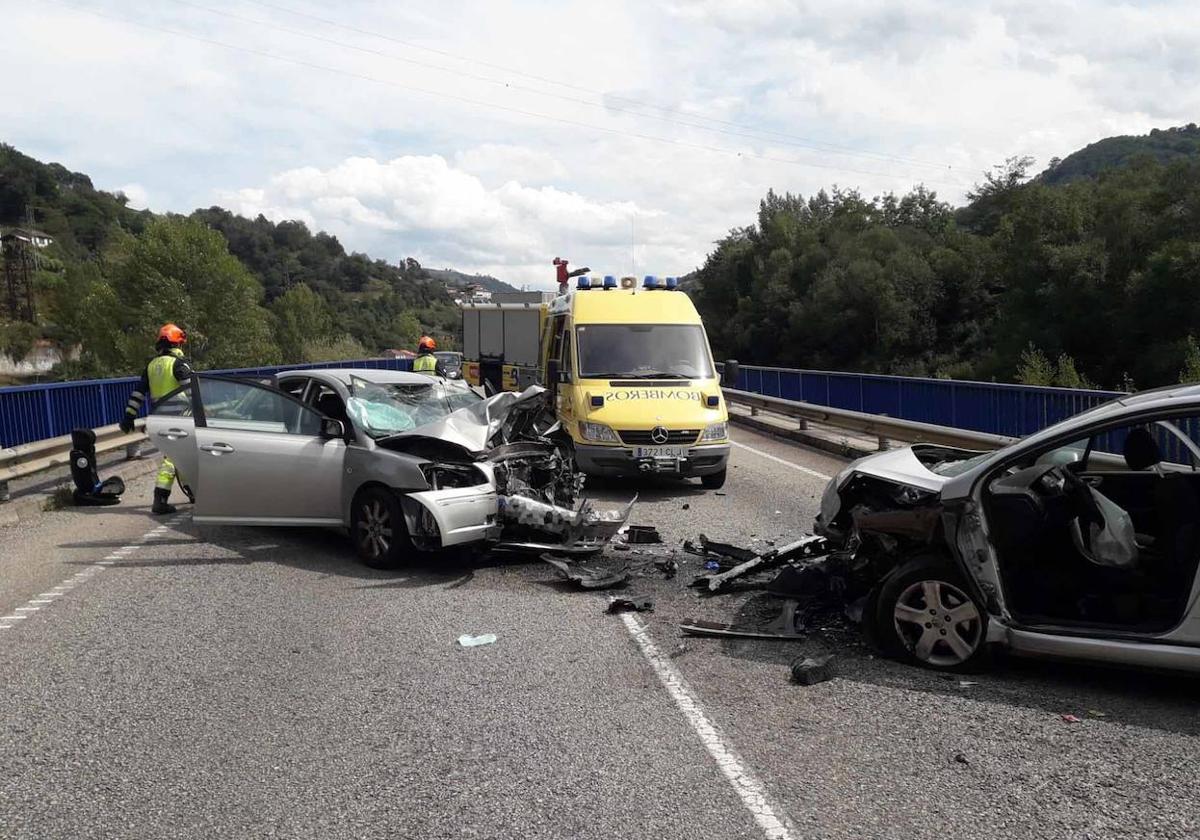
(332, 429)
(729, 376)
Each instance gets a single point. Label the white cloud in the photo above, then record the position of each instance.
(139, 198)
(368, 137)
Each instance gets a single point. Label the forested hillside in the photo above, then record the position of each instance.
(249, 291)
(1096, 281)
(1164, 145)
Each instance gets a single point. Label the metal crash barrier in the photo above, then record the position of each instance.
(30, 458)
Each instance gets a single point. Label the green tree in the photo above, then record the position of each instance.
(334, 349)
(181, 271)
(1035, 368)
(301, 318)
(1191, 362)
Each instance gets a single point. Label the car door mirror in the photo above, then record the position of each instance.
(332, 429)
(729, 376)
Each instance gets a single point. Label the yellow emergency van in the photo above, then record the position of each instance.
(629, 368)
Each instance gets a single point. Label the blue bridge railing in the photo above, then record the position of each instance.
(999, 409)
(37, 412)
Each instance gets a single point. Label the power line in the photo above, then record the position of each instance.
(510, 85)
(483, 104)
(795, 140)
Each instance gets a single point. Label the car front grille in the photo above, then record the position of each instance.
(675, 437)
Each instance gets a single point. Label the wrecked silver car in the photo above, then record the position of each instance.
(402, 460)
(1081, 541)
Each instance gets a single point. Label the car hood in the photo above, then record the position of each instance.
(477, 428)
(900, 466)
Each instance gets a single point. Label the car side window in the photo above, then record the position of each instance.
(294, 387)
(247, 407)
(177, 404)
(1169, 444)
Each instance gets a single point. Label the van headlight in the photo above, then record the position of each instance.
(717, 431)
(597, 432)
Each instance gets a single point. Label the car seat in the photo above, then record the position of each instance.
(1176, 508)
(331, 405)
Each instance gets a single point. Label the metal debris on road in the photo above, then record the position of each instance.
(805, 547)
(467, 640)
(961, 759)
(812, 670)
(617, 605)
(587, 577)
(1071, 719)
(783, 626)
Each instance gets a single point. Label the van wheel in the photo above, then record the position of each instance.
(926, 615)
(378, 530)
(714, 481)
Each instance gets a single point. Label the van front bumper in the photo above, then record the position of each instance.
(618, 460)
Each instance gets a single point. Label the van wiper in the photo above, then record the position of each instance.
(656, 374)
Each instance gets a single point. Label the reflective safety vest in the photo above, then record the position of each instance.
(425, 363)
(160, 373)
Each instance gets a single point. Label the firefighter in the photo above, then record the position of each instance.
(165, 372)
(426, 362)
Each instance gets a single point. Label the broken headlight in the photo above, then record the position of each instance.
(597, 432)
(908, 496)
(446, 476)
(717, 431)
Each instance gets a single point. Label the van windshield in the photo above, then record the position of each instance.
(643, 351)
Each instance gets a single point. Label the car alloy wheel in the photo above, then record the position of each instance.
(938, 623)
(374, 529)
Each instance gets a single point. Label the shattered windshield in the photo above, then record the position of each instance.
(643, 351)
(382, 409)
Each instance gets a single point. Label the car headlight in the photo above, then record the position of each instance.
(597, 432)
(908, 495)
(717, 431)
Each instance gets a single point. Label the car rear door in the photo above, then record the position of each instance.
(262, 458)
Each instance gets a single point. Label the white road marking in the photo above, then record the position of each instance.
(36, 603)
(744, 783)
(771, 457)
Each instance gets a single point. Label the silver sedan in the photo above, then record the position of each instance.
(403, 461)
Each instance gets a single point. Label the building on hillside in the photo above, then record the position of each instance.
(399, 354)
(27, 236)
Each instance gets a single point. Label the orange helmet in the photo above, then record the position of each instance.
(426, 343)
(172, 334)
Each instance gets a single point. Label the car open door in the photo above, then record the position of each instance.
(171, 428)
(264, 458)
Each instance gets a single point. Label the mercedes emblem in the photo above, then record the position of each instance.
(659, 435)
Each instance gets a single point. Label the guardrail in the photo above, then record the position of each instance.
(31, 413)
(27, 459)
(993, 408)
(882, 428)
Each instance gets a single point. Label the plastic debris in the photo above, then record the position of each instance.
(617, 605)
(712, 566)
(1071, 719)
(642, 534)
(961, 759)
(812, 670)
(966, 683)
(588, 578)
(1097, 713)
(467, 640)
(686, 506)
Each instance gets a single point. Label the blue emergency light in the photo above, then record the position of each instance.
(584, 283)
(649, 282)
(672, 284)
(610, 282)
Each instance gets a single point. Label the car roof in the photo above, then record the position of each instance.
(382, 377)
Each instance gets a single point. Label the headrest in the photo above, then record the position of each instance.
(1141, 450)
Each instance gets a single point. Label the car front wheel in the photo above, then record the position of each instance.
(378, 530)
(926, 615)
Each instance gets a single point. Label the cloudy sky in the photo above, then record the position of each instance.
(624, 135)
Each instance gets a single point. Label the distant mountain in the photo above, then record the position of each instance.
(1162, 144)
(459, 279)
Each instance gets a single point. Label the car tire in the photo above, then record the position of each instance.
(926, 615)
(714, 481)
(378, 529)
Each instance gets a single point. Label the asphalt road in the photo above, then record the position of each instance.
(241, 682)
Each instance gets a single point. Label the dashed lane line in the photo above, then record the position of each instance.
(36, 603)
(786, 463)
(772, 821)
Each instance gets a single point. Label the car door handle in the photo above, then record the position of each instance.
(172, 434)
(217, 448)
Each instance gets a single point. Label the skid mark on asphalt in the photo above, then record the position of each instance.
(45, 599)
(745, 784)
(786, 463)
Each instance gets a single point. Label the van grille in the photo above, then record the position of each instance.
(675, 437)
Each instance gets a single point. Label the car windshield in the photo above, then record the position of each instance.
(449, 358)
(382, 409)
(643, 351)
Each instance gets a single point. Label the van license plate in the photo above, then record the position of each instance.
(673, 452)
